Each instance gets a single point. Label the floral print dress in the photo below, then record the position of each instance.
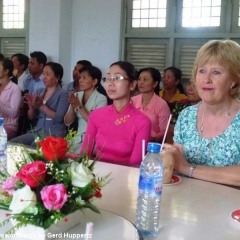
(222, 150)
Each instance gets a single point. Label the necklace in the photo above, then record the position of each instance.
(209, 146)
(228, 116)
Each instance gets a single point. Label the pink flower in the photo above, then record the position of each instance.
(54, 196)
(9, 185)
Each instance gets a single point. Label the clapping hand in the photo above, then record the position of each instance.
(33, 101)
(29, 99)
(73, 100)
(38, 101)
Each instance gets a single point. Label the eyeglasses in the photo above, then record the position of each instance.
(115, 78)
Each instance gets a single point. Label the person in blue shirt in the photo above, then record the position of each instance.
(73, 86)
(36, 64)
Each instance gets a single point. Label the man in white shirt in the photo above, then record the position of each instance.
(20, 62)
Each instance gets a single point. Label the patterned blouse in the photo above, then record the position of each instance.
(222, 150)
(178, 107)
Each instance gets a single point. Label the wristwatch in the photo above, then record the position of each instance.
(191, 166)
(77, 108)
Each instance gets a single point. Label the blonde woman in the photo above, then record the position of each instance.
(207, 135)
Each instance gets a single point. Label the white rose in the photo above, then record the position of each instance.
(22, 199)
(80, 174)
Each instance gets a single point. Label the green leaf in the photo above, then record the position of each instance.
(92, 207)
(47, 223)
(103, 181)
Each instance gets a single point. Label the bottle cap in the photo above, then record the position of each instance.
(1, 121)
(154, 147)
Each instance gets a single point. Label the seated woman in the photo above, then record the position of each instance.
(172, 91)
(207, 135)
(193, 98)
(47, 107)
(10, 98)
(117, 131)
(84, 102)
(149, 103)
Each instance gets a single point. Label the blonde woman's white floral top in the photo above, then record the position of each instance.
(222, 150)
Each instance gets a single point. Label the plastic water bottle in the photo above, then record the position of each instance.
(149, 192)
(3, 147)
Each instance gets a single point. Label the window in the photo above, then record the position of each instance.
(205, 13)
(188, 25)
(13, 26)
(185, 54)
(144, 53)
(149, 13)
(239, 14)
(10, 46)
(13, 14)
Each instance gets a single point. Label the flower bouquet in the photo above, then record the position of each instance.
(50, 183)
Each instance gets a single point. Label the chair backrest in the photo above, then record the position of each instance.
(23, 121)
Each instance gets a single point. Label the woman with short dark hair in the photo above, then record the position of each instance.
(47, 107)
(84, 102)
(149, 103)
(172, 88)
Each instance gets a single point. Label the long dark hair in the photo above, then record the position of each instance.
(8, 65)
(155, 74)
(178, 75)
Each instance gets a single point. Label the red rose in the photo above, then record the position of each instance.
(98, 193)
(97, 189)
(54, 148)
(32, 173)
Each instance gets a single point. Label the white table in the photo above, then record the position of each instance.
(106, 225)
(192, 209)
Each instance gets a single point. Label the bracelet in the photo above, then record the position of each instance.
(192, 166)
(77, 108)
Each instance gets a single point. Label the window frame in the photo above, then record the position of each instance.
(142, 31)
(235, 16)
(15, 32)
(180, 29)
(148, 41)
(20, 41)
(172, 34)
